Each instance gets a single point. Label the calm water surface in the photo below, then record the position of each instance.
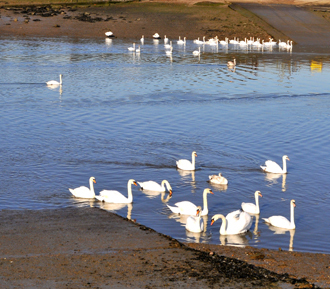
(121, 115)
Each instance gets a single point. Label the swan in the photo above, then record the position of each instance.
(54, 82)
(272, 167)
(84, 192)
(197, 52)
(112, 196)
(142, 39)
(195, 223)
(282, 222)
(132, 48)
(169, 52)
(224, 42)
(250, 207)
(153, 186)
(231, 63)
(180, 41)
(187, 165)
(165, 39)
(138, 50)
(168, 46)
(188, 208)
(109, 34)
(233, 41)
(218, 179)
(236, 222)
(156, 36)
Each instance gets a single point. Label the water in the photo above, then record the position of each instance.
(121, 115)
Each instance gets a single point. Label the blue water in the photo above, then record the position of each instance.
(121, 115)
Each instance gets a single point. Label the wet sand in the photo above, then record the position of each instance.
(88, 247)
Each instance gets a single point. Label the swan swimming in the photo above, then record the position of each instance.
(282, 222)
(195, 223)
(112, 196)
(187, 165)
(236, 222)
(272, 167)
(84, 192)
(250, 207)
(218, 179)
(109, 34)
(54, 82)
(189, 208)
(153, 186)
(231, 64)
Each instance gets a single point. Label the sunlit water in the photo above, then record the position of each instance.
(120, 115)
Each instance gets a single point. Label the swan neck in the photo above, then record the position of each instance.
(223, 227)
(193, 160)
(129, 191)
(91, 184)
(257, 201)
(284, 166)
(292, 215)
(60, 79)
(205, 206)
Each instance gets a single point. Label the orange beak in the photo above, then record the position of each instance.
(94, 181)
(171, 193)
(212, 222)
(135, 183)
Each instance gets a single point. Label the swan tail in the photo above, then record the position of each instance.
(174, 210)
(263, 168)
(266, 220)
(100, 198)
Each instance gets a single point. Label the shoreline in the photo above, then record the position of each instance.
(90, 247)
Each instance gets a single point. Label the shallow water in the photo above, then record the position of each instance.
(120, 115)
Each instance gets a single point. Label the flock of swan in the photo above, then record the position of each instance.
(236, 222)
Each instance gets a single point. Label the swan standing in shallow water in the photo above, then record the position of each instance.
(84, 192)
(282, 222)
(111, 196)
(250, 207)
(54, 82)
(187, 165)
(153, 186)
(236, 222)
(272, 167)
(195, 223)
(218, 179)
(189, 208)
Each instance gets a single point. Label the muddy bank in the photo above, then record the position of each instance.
(92, 248)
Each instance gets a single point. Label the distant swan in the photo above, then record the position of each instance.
(153, 186)
(112, 196)
(54, 82)
(282, 222)
(272, 167)
(189, 208)
(180, 41)
(236, 222)
(187, 165)
(142, 39)
(156, 36)
(109, 34)
(231, 64)
(195, 223)
(84, 192)
(250, 207)
(132, 48)
(197, 52)
(218, 179)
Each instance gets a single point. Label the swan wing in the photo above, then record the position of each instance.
(238, 223)
(186, 208)
(151, 186)
(194, 224)
(82, 192)
(279, 221)
(52, 82)
(271, 167)
(250, 208)
(112, 196)
(184, 165)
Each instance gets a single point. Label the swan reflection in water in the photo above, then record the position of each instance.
(219, 188)
(111, 207)
(239, 240)
(273, 179)
(281, 231)
(196, 237)
(108, 41)
(188, 176)
(154, 194)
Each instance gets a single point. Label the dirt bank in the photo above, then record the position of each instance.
(92, 248)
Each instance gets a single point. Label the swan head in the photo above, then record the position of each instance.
(216, 217)
(92, 179)
(293, 203)
(285, 157)
(199, 211)
(133, 182)
(258, 193)
(194, 153)
(208, 191)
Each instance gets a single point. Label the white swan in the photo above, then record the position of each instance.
(189, 208)
(282, 222)
(187, 165)
(165, 39)
(250, 207)
(142, 39)
(197, 52)
(156, 36)
(180, 41)
(109, 34)
(218, 179)
(54, 82)
(153, 186)
(231, 64)
(111, 196)
(138, 50)
(84, 192)
(195, 223)
(272, 167)
(168, 46)
(132, 48)
(236, 222)
(169, 52)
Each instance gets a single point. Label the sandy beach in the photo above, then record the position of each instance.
(92, 248)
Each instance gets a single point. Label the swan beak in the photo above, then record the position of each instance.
(198, 211)
(135, 183)
(94, 181)
(211, 192)
(212, 222)
(288, 159)
(260, 195)
(171, 193)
